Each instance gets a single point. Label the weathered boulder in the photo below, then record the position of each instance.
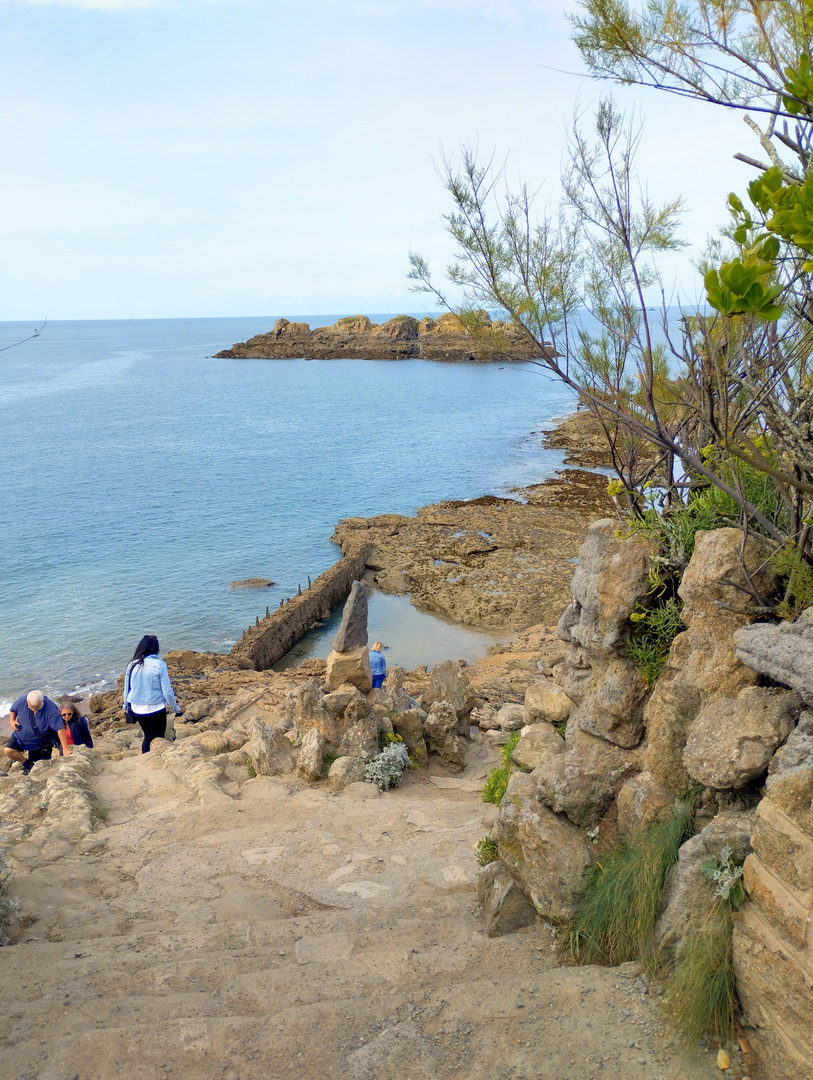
(798, 750)
(772, 949)
(543, 851)
(581, 782)
(345, 771)
(536, 745)
(311, 752)
(687, 888)
(337, 700)
(506, 908)
(510, 717)
(306, 707)
(351, 666)
(702, 665)
(784, 653)
(450, 683)
(546, 703)
(352, 632)
(409, 725)
(270, 752)
(732, 741)
(360, 736)
(641, 800)
(439, 730)
(608, 692)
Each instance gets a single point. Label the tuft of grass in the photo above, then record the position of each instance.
(487, 851)
(99, 810)
(497, 782)
(700, 997)
(561, 727)
(616, 919)
(252, 772)
(655, 630)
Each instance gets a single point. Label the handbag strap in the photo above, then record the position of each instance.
(127, 688)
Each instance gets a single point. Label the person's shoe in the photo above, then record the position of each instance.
(27, 767)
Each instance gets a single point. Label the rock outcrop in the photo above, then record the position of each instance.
(611, 580)
(702, 666)
(499, 563)
(401, 338)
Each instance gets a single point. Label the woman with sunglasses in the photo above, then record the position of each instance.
(76, 726)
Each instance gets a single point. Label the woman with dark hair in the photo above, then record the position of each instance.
(148, 691)
(76, 726)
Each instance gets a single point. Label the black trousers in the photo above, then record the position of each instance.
(154, 726)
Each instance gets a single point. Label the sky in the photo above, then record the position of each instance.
(187, 158)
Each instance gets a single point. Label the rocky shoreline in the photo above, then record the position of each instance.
(602, 755)
(402, 338)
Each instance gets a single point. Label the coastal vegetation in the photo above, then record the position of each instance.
(714, 418)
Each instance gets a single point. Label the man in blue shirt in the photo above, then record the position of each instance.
(33, 718)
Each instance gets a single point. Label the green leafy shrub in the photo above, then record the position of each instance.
(796, 578)
(487, 851)
(386, 768)
(497, 783)
(252, 772)
(655, 630)
(619, 906)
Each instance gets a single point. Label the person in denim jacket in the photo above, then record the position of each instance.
(148, 691)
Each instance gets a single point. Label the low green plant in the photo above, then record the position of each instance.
(796, 579)
(655, 628)
(487, 851)
(497, 782)
(387, 738)
(386, 768)
(700, 996)
(561, 727)
(252, 772)
(99, 810)
(616, 918)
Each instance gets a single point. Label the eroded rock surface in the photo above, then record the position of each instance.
(608, 692)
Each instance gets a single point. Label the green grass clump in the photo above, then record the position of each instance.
(497, 783)
(487, 851)
(655, 630)
(616, 919)
(700, 997)
(252, 772)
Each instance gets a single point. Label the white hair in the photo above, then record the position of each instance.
(35, 700)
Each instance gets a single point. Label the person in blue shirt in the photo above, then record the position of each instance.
(35, 720)
(378, 665)
(148, 691)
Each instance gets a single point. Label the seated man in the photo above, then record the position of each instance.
(33, 719)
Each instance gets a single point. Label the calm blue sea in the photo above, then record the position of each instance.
(138, 477)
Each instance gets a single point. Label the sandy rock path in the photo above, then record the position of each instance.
(269, 930)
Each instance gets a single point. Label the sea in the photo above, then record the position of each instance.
(139, 476)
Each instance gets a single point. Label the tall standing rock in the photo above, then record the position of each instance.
(702, 665)
(349, 662)
(601, 678)
(353, 630)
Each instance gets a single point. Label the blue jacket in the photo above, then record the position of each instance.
(149, 684)
(80, 732)
(378, 665)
